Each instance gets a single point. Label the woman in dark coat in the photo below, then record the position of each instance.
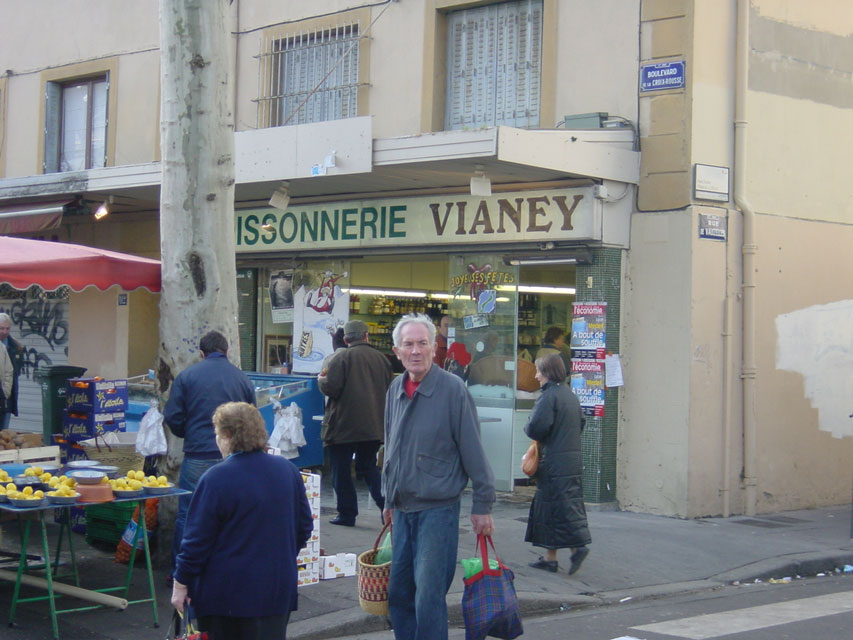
(557, 515)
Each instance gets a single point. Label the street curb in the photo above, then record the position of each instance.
(355, 621)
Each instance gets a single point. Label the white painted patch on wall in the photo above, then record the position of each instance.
(817, 343)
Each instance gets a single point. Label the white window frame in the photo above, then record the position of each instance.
(494, 65)
(310, 76)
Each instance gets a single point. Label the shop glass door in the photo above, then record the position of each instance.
(483, 340)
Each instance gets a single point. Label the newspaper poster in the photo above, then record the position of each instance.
(589, 333)
(587, 382)
(318, 312)
(281, 295)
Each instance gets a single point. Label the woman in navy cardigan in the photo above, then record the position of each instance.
(248, 519)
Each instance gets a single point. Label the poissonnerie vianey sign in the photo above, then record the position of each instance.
(556, 214)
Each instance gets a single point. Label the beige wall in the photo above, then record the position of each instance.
(654, 405)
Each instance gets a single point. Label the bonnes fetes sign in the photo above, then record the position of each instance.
(557, 214)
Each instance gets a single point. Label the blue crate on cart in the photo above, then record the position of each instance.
(77, 425)
(91, 395)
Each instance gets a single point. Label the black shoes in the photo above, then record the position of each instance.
(342, 521)
(578, 556)
(547, 565)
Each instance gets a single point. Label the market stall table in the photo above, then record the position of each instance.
(100, 597)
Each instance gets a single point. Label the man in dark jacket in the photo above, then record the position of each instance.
(355, 383)
(16, 355)
(196, 393)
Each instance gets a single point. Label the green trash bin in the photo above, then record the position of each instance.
(52, 381)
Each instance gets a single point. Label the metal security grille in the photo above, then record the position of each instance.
(309, 77)
(494, 65)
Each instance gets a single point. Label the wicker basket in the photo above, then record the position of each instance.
(373, 580)
(123, 456)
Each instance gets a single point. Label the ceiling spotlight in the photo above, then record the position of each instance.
(281, 196)
(480, 183)
(104, 209)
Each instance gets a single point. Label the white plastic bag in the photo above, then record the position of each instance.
(287, 433)
(151, 440)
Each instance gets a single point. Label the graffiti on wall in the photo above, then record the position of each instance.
(815, 343)
(39, 323)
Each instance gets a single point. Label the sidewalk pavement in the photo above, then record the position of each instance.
(632, 556)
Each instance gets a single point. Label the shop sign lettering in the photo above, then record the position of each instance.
(541, 215)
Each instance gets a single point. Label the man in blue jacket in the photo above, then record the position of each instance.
(196, 393)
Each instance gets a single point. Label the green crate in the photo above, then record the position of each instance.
(103, 531)
(120, 512)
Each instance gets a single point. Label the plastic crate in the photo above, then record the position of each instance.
(120, 512)
(103, 531)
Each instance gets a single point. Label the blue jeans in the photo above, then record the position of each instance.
(340, 460)
(191, 470)
(5, 418)
(422, 567)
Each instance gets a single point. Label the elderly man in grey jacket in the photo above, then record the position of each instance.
(355, 382)
(432, 449)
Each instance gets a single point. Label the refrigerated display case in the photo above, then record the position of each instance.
(303, 390)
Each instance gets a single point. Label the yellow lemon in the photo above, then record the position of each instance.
(11, 487)
(37, 471)
(29, 471)
(139, 475)
(2, 490)
(28, 491)
(163, 480)
(105, 480)
(39, 494)
(45, 477)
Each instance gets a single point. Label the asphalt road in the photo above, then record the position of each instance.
(815, 608)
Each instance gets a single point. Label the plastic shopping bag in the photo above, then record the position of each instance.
(384, 553)
(287, 434)
(151, 440)
(489, 603)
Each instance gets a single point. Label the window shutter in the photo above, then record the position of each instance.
(494, 65)
(52, 103)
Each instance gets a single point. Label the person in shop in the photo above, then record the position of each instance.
(553, 342)
(196, 393)
(15, 352)
(432, 449)
(355, 385)
(557, 517)
(441, 341)
(247, 521)
(7, 372)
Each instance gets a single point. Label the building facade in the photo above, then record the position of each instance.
(653, 178)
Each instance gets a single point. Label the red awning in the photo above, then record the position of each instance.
(25, 262)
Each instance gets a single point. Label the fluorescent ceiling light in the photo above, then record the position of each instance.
(387, 292)
(565, 291)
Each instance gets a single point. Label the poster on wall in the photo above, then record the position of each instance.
(587, 382)
(589, 334)
(318, 311)
(281, 295)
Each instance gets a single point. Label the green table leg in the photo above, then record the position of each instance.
(22, 565)
(48, 575)
(65, 528)
(142, 530)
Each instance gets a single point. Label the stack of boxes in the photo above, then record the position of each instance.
(308, 559)
(94, 406)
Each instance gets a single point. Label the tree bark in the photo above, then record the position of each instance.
(197, 247)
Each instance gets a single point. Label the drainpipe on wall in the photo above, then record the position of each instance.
(749, 251)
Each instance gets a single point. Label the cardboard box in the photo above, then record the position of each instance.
(78, 426)
(309, 553)
(340, 565)
(308, 573)
(96, 396)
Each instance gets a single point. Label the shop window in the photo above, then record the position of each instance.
(310, 77)
(76, 124)
(494, 65)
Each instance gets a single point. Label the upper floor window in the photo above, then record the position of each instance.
(494, 65)
(76, 124)
(310, 77)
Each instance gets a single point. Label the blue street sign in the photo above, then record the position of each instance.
(666, 75)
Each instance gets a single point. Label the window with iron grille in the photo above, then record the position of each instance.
(494, 65)
(309, 77)
(76, 124)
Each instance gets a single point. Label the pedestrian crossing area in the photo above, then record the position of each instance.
(716, 625)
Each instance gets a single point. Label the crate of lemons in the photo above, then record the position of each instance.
(135, 481)
(61, 488)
